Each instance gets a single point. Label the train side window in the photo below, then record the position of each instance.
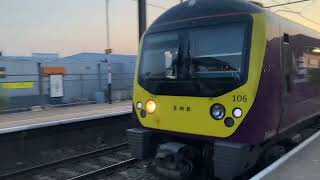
(286, 38)
(287, 61)
(312, 58)
(287, 58)
(287, 54)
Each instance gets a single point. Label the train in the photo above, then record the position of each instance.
(221, 87)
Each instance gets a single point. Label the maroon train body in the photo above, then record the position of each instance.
(287, 98)
(289, 89)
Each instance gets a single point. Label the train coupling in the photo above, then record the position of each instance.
(175, 161)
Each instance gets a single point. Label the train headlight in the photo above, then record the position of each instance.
(229, 122)
(151, 106)
(143, 113)
(217, 111)
(139, 105)
(237, 112)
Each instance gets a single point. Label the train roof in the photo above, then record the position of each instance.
(193, 10)
(201, 8)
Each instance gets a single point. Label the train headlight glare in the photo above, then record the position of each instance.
(139, 105)
(237, 113)
(151, 106)
(217, 111)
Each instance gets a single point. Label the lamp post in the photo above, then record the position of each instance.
(108, 50)
(107, 26)
(109, 82)
(142, 17)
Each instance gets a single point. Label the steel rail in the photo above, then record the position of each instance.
(50, 165)
(105, 170)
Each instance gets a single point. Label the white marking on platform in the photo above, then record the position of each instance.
(58, 122)
(56, 116)
(284, 158)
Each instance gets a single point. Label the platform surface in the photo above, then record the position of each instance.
(302, 163)
(61, 115)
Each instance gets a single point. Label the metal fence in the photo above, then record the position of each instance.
(27, 91)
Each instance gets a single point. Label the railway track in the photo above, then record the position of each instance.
(84, 166)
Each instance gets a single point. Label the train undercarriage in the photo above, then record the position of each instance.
(174, 160)
(184, 158)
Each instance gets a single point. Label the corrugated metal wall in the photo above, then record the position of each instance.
(81, 80)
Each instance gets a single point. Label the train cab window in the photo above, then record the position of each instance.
(204, 61)
(159, 56)
(217, 51)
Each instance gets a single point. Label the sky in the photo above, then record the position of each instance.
(306, 13)
(71, 26)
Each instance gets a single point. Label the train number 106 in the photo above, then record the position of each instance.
(240, 98)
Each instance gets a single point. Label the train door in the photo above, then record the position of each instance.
(287, 94)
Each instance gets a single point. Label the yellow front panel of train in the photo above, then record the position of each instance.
(192, 114)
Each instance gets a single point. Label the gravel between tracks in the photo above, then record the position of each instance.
(137, 172)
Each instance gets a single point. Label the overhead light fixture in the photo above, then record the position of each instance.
(316, 50)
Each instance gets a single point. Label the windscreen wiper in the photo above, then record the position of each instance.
(214, 62)
(236, 77)
(188, 62)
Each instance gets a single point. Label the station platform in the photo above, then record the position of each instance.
(301, 163)
(61, 115)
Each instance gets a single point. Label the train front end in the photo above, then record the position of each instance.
(197, 77)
